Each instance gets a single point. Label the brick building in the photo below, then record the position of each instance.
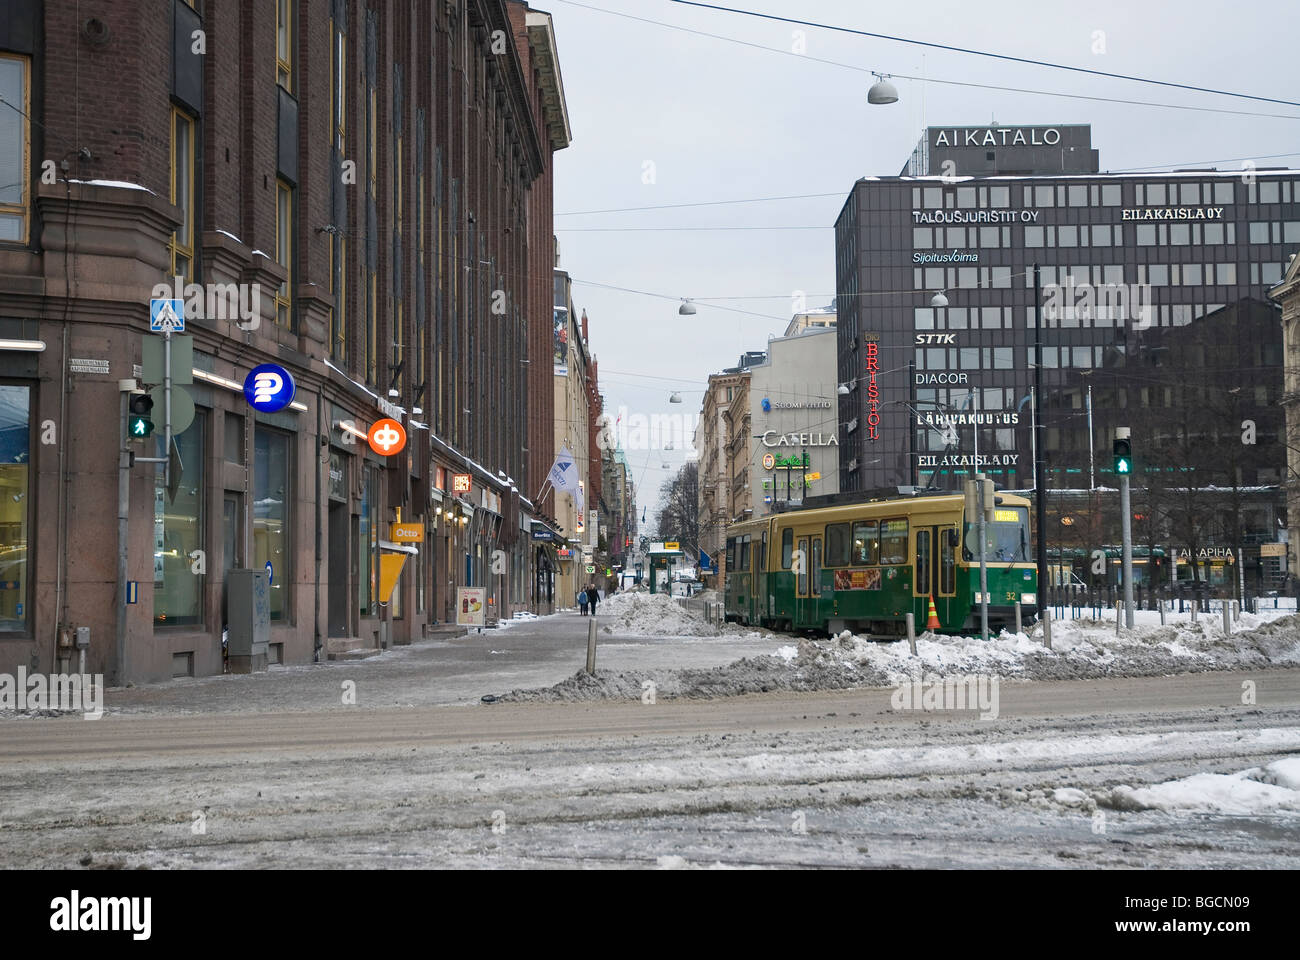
(371, 185)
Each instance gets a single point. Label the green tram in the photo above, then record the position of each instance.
(866, 565)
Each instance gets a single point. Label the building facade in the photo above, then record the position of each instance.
(710, 445)
(344, 189)
(811, 319)
(1287, 293)
(792, 412)
(937, 308)
(571, 428)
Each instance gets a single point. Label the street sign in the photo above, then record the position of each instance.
(386, 437)
(470, 602)
(151, 360)
(182, 409)
(406, 533)
(769, 461)
(270, 573)
(672, 545)
(591, 568)
(167, 316)
(269, 387)
(461, 482)
(813, 476)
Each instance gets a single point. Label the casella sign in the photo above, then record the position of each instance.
(773, 439)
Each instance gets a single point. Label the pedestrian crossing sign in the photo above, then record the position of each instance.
(167, 315)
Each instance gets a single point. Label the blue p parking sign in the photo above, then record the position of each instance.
(269, 387)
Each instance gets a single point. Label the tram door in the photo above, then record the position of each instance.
(801, 581)
(935, 563)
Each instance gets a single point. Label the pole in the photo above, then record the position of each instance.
(1241, 580)
(167, 406)
(975, 408)
(984, 567)
(803, 494)
(1040, 445)
(1092, 469)
(123, 512)
(591, 645)
(1126, 528)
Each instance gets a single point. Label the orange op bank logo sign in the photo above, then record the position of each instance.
(386, 437)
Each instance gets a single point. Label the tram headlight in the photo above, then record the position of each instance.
(1029, 598)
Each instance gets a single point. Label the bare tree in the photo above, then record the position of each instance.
(679, 517)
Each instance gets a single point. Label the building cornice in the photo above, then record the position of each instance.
(541, 38)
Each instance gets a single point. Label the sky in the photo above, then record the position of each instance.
(661, 116)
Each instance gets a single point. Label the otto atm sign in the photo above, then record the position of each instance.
(269, 387)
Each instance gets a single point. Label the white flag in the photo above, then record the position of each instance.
(564, 476)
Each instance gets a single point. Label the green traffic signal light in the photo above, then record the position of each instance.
(1123, 451)
(140, 427)
(140, 422)
(1121, 466)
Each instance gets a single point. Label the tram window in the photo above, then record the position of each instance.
(816, 586)
(731, 553)
(866, 543)
(762, 552)
(923, 562)
(893, 541)
(837, 545)
(787, 548)
(948, 562)
(744, 553)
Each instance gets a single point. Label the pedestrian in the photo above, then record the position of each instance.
(593, 597)
(582, 602)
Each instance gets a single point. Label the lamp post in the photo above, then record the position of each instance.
(1040, 448)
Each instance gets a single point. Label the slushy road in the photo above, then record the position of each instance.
(815, 779)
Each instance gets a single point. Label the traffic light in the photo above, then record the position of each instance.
(139, 422)
(1123, 456)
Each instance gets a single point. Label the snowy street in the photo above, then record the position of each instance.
(1197, 769)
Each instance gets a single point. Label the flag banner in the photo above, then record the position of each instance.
(564, 476)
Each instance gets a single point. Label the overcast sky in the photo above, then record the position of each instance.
(723, 121)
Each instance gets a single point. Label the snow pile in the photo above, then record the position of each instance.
(1081, 649)
(1271, 789)
(650, 615)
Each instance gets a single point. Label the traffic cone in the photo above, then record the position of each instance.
(933, 622)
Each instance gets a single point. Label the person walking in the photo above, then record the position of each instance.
(582, 602)
(593, 597)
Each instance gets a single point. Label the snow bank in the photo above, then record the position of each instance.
(1271, 789)
(1081, 649)
(650, 615)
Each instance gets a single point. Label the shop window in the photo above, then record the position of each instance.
(15, 148)
(272, 493)
(15, 506)
(178, 531)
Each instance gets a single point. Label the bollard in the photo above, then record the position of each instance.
(1227, 619)
(1236, 611)
(1119, 615)
(1161, 605)
(1195, 607)
(1047, 628)
(591, 646)
(1017, 616)
(911, 632)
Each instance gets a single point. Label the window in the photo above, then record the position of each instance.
(284, 250)
(178, 527)
(1189, 194)
(1100, 235)
(1268, 191)
(271, 498)
(787, 548)
(15, 148)
(366, 539)
(1226, 274)
(1002, 278)
(999, 196)
(922, 237)
(893, 541)
(1033, 236)
(15, 507)
(182, 193)
(1078, 194)
(1146, 234)
(1180, 234)
(837, 545)
(731, 553)
(1291, 231)
(948, 561)
(1043, 197)
(1223, 191)
(1110, 194)
(866, 543)
(965, 197)
(1155, 194)
(1259, 232)
(284, 44)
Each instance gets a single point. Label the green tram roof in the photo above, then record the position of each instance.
(883, 507)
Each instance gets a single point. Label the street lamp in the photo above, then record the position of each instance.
(939, 300)
(882, 91)
(687, 309)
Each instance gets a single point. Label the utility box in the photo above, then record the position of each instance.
(248, 612)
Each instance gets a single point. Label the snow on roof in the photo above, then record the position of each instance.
(118, 184)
